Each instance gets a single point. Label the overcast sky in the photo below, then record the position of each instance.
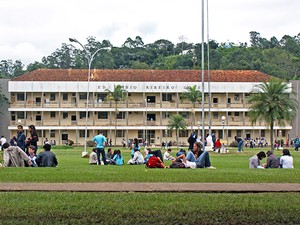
(31, 29)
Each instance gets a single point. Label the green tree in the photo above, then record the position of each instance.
(193, 95)
(3, 99)
(271, 102)
(117, 95)
(177, 122)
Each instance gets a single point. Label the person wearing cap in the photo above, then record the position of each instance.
(46, 158)
(14, 156)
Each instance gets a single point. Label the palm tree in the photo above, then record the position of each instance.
(272, 102)
(193, 95)
(117, 95)
(177, 122)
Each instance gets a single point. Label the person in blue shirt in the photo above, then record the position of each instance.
(100, 140)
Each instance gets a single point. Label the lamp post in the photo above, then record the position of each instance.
(146, 120)
(223, 123)
(198, 123)
(90, 57)
(166, 133)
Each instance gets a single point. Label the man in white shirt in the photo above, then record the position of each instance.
(167, 155)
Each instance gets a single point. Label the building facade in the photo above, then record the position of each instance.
(54, 100)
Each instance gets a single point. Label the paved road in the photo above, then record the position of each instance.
(152, 187)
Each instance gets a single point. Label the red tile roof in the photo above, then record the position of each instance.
(144, 75)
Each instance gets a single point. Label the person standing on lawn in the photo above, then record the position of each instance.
(240, 143)
(100, 140)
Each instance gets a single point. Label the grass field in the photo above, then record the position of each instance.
(150, 208)
(232, 167)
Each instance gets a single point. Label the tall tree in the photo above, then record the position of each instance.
(3, 99)
(193, 95)
(117, 95)
(177, 122)
(272, 102)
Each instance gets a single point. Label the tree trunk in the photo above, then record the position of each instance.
(116, 111)
(272, 135)
(177, 138)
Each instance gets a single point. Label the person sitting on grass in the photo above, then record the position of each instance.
(138, 158)
(14, 156)
(201, 158)
(93, 157)
(254, 161)
(155, 162)
(32, 155)
(109, 155)
(46, 158)
(272, 161)
(286, 160)
(118, 158)
(156, 153)
(167, 155)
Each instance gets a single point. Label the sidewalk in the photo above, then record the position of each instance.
(153, 187)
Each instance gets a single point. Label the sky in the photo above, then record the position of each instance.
(31, 29)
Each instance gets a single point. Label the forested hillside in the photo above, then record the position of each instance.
(280, 58)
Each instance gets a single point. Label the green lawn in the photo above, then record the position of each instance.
(232, 167)
(149, 208)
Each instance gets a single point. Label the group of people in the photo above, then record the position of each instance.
(285, 161)
(195, 158)
(22, 151)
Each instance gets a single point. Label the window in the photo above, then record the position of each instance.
(21, 115)
(150, 99)
(229, 113)
(82, 96)
(215, 115)
(52, 114)
(13, 116)
(166, 115)
(236, 97)
(82, 133)
(83, 115)
(236, 113)
(229, 133)
(120, 133)
(141, 133)
(283, 133)
(65, 115)
(102, 115)
(52, 133)
(65, 96)
(20, 97)
(102, 96)
(38, 117)
(239, 133)
(185, 115)
(246, 114)
(262, 133)
(73, 118)
(220, 134)
(167, 97)
(121, 115)
(229, 100)
(52, 96)
(151, 117)
(215, 100)
(183, 133)
(168, 132)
